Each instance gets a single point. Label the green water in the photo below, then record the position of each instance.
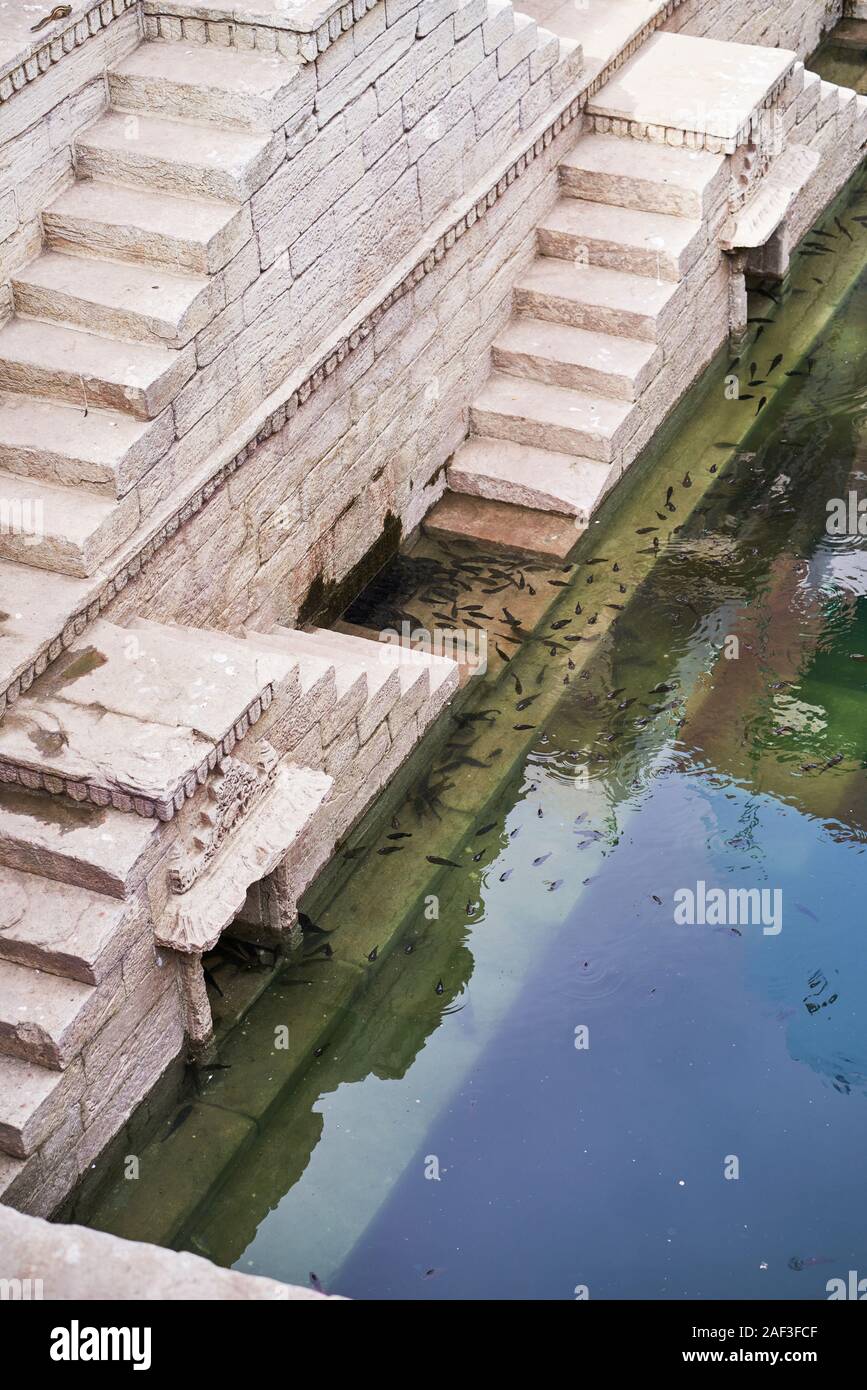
(432, 1129)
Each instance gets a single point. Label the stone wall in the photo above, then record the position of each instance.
(795, 24)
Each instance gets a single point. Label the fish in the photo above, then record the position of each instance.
(839, 225)
(443, 863)
(492, 825)
(806, 911)
(657, 900)
(541, 859)
(391, 849)
(440, 987)
(612, 694)
(526, 702)
(372, 955)
(507, 874)
(617, 606)
(761, 405)
(520, 727)
(183, 1114)
(687, 480)
(645, 530)
(775, 362)
(504, 656)
(557, 883)
(661, 689)
(400, 835)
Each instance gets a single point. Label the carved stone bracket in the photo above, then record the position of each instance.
(244, 848)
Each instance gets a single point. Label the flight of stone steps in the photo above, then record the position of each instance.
(111, 323)
(596, 319)
(104, 764)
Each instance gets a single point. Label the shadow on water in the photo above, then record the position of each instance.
(502, 1067)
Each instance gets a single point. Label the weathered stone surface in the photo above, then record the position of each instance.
(566, 356)
(534, 413)
(60, 929)
(33, 1102)
(75, 1263)
(646, 177)
(528, 477)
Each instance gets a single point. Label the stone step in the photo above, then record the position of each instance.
(135, 302)
(524, 476)
(549, 417)
(46, 359)
(179, 158)
(138, 224)
(88, 846)
(45, 1019)
(377, 659)
(408, 660)
(322, 696)
(203, 82)
(67, 531)
(138, 717)
(644, 243)
(595, 298)
(381, 679)
(34, 1101)
(61, 930)
(576, 357)
(102, 452)
(638, 174)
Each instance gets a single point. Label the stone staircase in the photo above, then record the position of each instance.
(104, 763)
(111, 320)
(598, 318)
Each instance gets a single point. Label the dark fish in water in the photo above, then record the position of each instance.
(559, 583)
(318, 1051)
(797, 1263)
(751, 320)
(371, 956)
(492, 825)
(440, 988)
(391, 849)
(477, 857)
(832, 762)
(183, 1114)
(840, 228)
(857, 656)
(541, 859)
(511, 619)
(761, 405)
(624, 704)
(687, 480)
(759, 382)
(507, 874)
(519, 689)
(400, 835)
(775, 362)
(504, 656)
(806, 911)
(661, 689)
(657, 900)
(444, 863)
(612, 694)
(521, 727)
(645, 530)
(526, 702)
(557, 883)
(562, 622)
(597, 560)
(408, 949)
(578, 609)
(618, 607)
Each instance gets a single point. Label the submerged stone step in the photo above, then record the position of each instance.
(576, 357)
(69, 531)
(549, 417)
(140, 303)
(595, 298)
(637, 174)
(46, 359)
(103, 452)
(204, 82)
(523, 476)
(644, 243)
(177, 157)
(139, 224)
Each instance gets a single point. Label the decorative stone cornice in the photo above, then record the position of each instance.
(63, 36)
(282, 405)
(162, 808)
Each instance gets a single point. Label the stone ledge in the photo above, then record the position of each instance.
(37, 56)
(72, 1262)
